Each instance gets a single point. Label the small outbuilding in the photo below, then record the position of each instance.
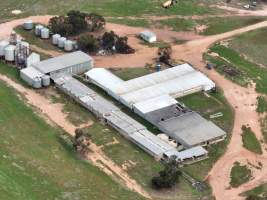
(148, 36)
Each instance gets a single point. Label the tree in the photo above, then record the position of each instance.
(121, 46)
(95, 22)
(164, 54)
(61, 25)
(109, 39)
(81, 141)
(88, 43)
(168, 177)
(77, 19)
(254, 197)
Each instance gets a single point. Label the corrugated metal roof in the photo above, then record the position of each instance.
(61, 62)
(148, 33)
(31, 72)
(155, 104)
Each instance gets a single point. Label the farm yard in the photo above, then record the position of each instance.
(225, 35)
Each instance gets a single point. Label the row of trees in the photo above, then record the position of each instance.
(76, 22)
(109, 42)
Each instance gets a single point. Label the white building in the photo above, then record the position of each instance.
(148, 36)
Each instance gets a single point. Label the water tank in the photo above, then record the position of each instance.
(61, 42)
(28, 25)
(55, 38)
(37, 82)
(38, 29)
(45, 33)
(3, 45)
(46, 80)
(10, 53)
(68, 45)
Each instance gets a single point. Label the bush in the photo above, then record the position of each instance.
(168, 177)
(88, 43)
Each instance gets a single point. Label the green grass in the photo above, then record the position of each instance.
(36, 163)
(253, 45)
(240, 174)
(263, 122)
(217, 25)
(207, 106)
(114, 8)
(131, 73)
(251, 70)
(178, 24)
(260, 191)
(130, 22)
(250, 141)
(261, 104)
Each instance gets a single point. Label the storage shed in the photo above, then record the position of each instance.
(32, 77)
(72, 63)
(148, 36)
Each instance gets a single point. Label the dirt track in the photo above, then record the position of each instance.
(243, 100)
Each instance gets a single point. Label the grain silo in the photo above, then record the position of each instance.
(61, 42)
(28, 25)
(38, 29)
(55, 38)
(45, 33)
(46, 80)
(3, 45)
(68, 45)
(10, 53)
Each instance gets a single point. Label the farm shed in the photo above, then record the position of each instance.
(33, 59)
(153, 98)
(32, 77)
(73, 63)
(148, 36)
(176, 82)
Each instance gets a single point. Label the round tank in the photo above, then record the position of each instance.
(61, 42)
(55, 38)
(23, 45)
(3, 45)
(37, 82)
(46, 80)
(45, 33)
(68, 45)
(38, 29)
(28, 25)
(10, 53)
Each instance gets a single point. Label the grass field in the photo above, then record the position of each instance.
(261, 104)
(253, 45)
(250, 141)
(207, 106)
(240, 174)
(260, 191)
(38, 164)
(246, 68)
(113, 8)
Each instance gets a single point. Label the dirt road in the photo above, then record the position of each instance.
(53, 113)
(243, 101)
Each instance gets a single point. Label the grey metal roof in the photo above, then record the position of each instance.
(61, 62)
(126, 125)
(31, 72)
(191, 129)
(148, 33)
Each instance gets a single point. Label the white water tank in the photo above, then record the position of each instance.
(45, 33)
(37, 82)
(28, 25)
(3, 45)
(38, 29)
(46, 80)
(68, 45)
(61, 42)
(10, 53)
(55, 38)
